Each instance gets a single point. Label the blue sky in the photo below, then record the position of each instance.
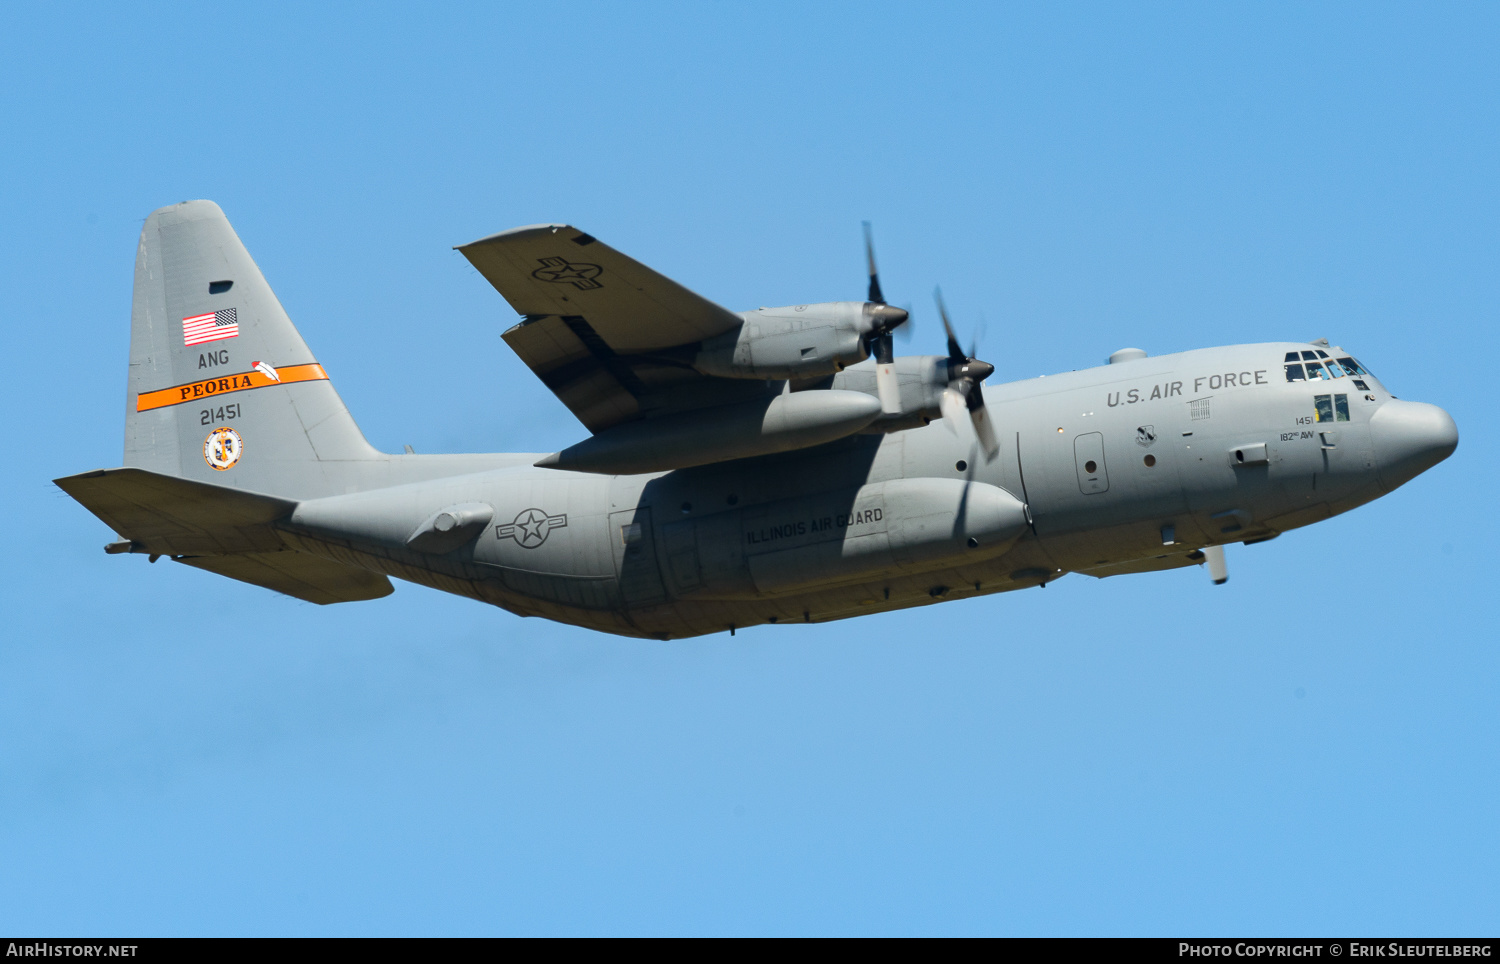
(1310, 749)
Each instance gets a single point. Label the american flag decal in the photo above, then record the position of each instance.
(214, 326)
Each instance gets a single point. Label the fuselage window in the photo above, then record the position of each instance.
(1294, 372)
(1341, 407)
(1309, 356)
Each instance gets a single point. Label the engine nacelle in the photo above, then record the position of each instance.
(802, 341)
(921, 378)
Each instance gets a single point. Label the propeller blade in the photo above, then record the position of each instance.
(1218, 569)
(889, 388)
(954, 407)
(886, 383)
(954, 351)
(982, 427)
(986, 433)
(876, 295)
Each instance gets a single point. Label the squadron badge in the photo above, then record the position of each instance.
(223, 448)
(531, 528)
(1145, 435)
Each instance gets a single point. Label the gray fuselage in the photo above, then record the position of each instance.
(1130, 467)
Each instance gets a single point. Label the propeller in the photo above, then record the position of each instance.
(885, 320)
(965, 392)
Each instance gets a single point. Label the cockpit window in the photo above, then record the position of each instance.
(1328, 408)
(1322, 353)
(1307, 366)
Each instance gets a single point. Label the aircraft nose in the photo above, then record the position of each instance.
(1410, 438)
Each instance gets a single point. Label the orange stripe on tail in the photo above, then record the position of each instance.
(226, 384)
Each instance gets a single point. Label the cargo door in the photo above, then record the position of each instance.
(635, 556)
(1088, 454)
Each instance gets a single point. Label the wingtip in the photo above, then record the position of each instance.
(515, 232)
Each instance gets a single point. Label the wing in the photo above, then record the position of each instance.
(609, 336)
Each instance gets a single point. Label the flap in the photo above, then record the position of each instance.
(312, 578)
(555, 269)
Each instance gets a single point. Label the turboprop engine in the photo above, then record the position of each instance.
(802, 341)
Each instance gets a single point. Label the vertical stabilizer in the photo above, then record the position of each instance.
(222, 388)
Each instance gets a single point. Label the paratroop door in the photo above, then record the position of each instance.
(1088, 453)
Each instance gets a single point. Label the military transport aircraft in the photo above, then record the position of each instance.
(767, 466)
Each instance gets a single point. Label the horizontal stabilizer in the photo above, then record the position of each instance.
(314, 579)
(175, 516)
(226, 531)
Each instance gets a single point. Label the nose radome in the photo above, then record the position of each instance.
(1410, 438)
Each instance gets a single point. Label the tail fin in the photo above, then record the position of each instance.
(222, 388)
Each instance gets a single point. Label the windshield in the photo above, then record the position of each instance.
(1304, 366)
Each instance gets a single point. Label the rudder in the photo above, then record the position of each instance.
(222, 388)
